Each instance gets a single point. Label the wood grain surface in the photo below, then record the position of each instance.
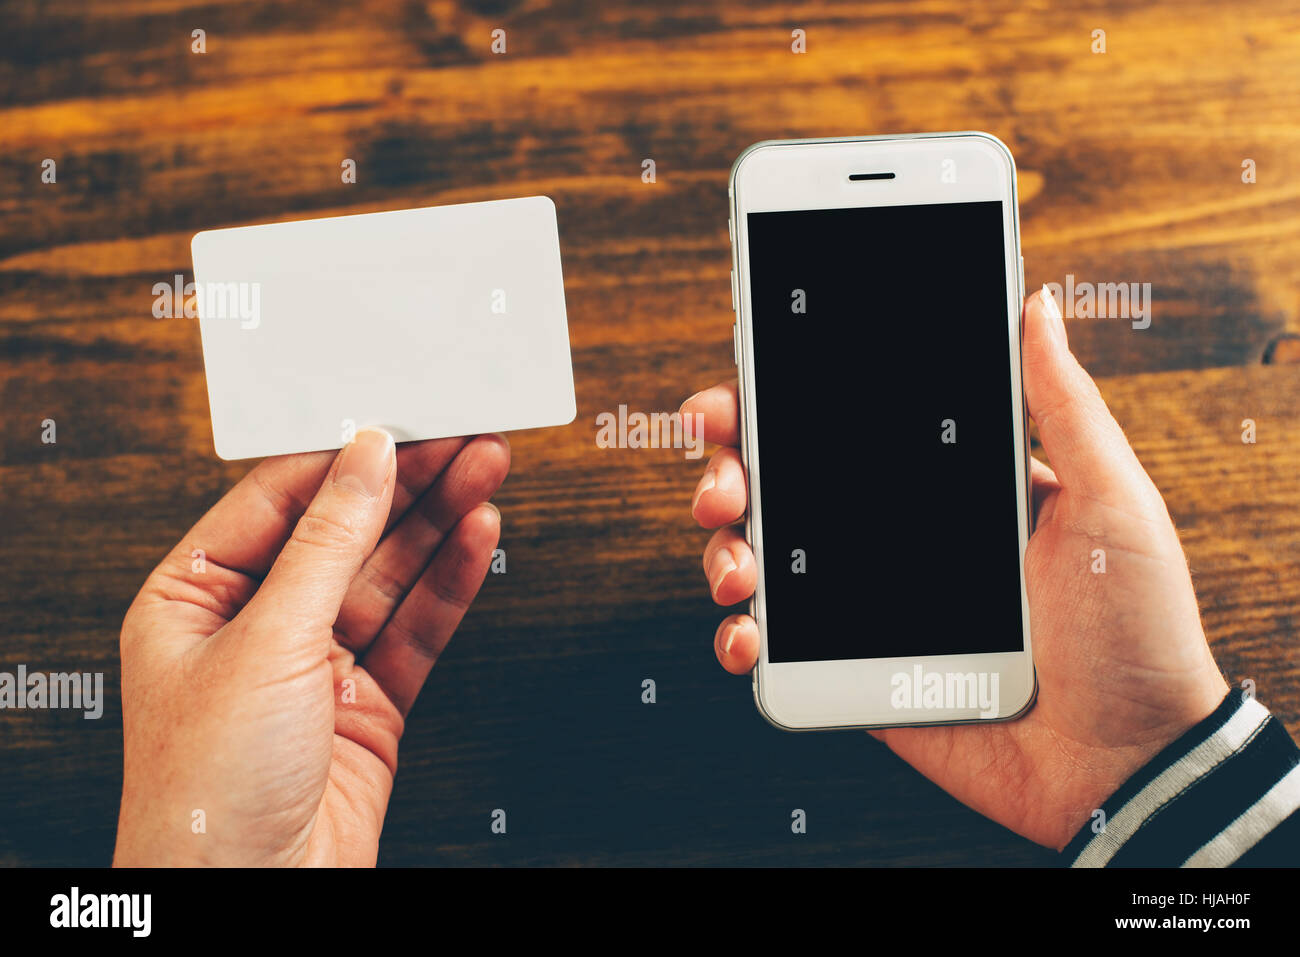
(1130, 170)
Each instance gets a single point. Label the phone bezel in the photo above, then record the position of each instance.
(812, 174)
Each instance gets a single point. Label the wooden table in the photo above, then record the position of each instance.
(1130, 170)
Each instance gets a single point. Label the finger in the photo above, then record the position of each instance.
(729, 566)
(248, 527)
(401, 657)
(1042, 474)
(1085, 444)
(736, 644)
(722, 494)
(473, 476)
(305, 586)
(419, 464)
(1045, 487)
(720, 411)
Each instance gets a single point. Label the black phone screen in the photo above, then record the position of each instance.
(885, 437)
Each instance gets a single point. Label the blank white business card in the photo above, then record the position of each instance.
(446, 320)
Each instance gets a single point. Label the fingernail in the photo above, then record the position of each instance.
(721, 566)
(729, 637)
(365, 462)
(1053, 313)
(495, 509)
(688, 399)
(706, 483)
(1050, 308)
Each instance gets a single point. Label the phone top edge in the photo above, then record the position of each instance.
(869, 138)
(997, 144)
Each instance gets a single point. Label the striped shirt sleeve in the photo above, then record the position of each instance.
(1226, 793)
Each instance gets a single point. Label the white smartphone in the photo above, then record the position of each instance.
(878, 285)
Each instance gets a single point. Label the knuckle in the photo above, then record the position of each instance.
(385, 584)
(457, 598)
(424, 645)
(325, 531)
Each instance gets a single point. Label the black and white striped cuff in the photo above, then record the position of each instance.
(1225, 793)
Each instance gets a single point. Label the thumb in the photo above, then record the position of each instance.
(306, 585)
(1084, 443)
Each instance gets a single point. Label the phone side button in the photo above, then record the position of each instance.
(735, 299)
(754, 673)
(735, 344)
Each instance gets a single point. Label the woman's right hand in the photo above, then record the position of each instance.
(1123, 664)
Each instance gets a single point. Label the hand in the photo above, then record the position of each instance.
(1123, 664)
(264, 694)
